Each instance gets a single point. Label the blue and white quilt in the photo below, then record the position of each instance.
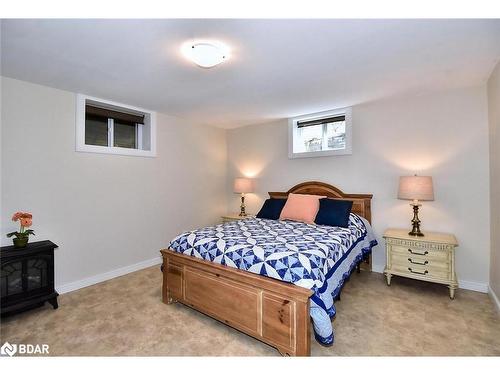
(316, 257)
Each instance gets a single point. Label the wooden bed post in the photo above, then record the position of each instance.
(165, 293)
(303, 348)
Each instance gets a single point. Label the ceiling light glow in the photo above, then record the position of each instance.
(206, 54)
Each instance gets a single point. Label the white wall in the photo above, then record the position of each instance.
(110, 211)
(443, 134)
(494, 121)
(104, 211)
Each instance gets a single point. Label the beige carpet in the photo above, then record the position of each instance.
(125, 316)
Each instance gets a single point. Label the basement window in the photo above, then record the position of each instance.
(320, 134)
(112, 128)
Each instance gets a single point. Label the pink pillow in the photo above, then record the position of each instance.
(301, 207)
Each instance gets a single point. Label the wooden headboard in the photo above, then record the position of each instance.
(361, 202)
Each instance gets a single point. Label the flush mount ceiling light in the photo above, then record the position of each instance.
(206, 54)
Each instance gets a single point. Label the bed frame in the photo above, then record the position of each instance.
(270, 310)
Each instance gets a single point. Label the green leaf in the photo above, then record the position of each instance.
(11, 234)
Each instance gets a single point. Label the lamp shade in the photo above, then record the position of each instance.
(416, 188)
(243, 185)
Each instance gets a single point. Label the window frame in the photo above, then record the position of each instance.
(293, 129)
(81, 146)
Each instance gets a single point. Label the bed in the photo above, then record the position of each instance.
(270, 278)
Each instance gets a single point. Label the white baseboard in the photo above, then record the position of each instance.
(69, 287)
(462, 284)
(472, 285)
(75, 285)
(495, 298)
(379, 268)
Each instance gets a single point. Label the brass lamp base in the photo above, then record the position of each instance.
(415, 231)
(242, 206)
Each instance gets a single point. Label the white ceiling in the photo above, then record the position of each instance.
(278, 68)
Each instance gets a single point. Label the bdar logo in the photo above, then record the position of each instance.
(8, 349)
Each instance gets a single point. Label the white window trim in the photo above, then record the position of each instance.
(80, 145)
(292, 128)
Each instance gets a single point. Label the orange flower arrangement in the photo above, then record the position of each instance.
(26, 220)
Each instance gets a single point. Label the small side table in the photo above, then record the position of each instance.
(428, 258)
(233, 217)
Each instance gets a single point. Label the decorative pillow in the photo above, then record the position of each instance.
(301, 207)
(333, 212)
(271, 209)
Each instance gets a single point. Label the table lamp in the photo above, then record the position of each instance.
(243, 186)
(416, 188)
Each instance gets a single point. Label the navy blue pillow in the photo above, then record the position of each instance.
(333, 212)
(271, 209)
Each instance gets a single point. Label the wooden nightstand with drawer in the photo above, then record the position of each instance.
(428, 258)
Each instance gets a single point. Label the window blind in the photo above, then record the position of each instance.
(108, 113)
(320, 121)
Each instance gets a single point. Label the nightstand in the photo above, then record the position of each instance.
(428, 258)
(232, 217)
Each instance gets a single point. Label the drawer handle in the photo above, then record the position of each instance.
(421, 264)
(420, 273)
(415, 253)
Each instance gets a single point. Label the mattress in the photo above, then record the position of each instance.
(312, 256)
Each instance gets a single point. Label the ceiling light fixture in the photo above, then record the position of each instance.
(205, 54)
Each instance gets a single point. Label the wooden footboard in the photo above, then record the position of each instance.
(272, 311)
